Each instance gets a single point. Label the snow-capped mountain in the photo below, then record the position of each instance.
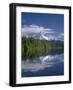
(41, 33)
(48, 37)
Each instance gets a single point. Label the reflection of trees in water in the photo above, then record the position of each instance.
(35, 48)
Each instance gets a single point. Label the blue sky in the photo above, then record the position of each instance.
(54, 21)
(36, 22)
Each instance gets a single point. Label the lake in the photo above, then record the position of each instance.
(51, 64)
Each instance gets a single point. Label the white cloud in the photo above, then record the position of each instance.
(34, 29)
(48, 33)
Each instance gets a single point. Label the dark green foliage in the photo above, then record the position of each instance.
(34, 47)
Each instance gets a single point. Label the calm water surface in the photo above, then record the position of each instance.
(46, 65)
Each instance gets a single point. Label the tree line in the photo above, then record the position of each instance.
(34, 47)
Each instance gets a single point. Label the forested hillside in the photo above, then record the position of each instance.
(35, 47)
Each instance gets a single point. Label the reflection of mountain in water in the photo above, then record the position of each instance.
(41, 63)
